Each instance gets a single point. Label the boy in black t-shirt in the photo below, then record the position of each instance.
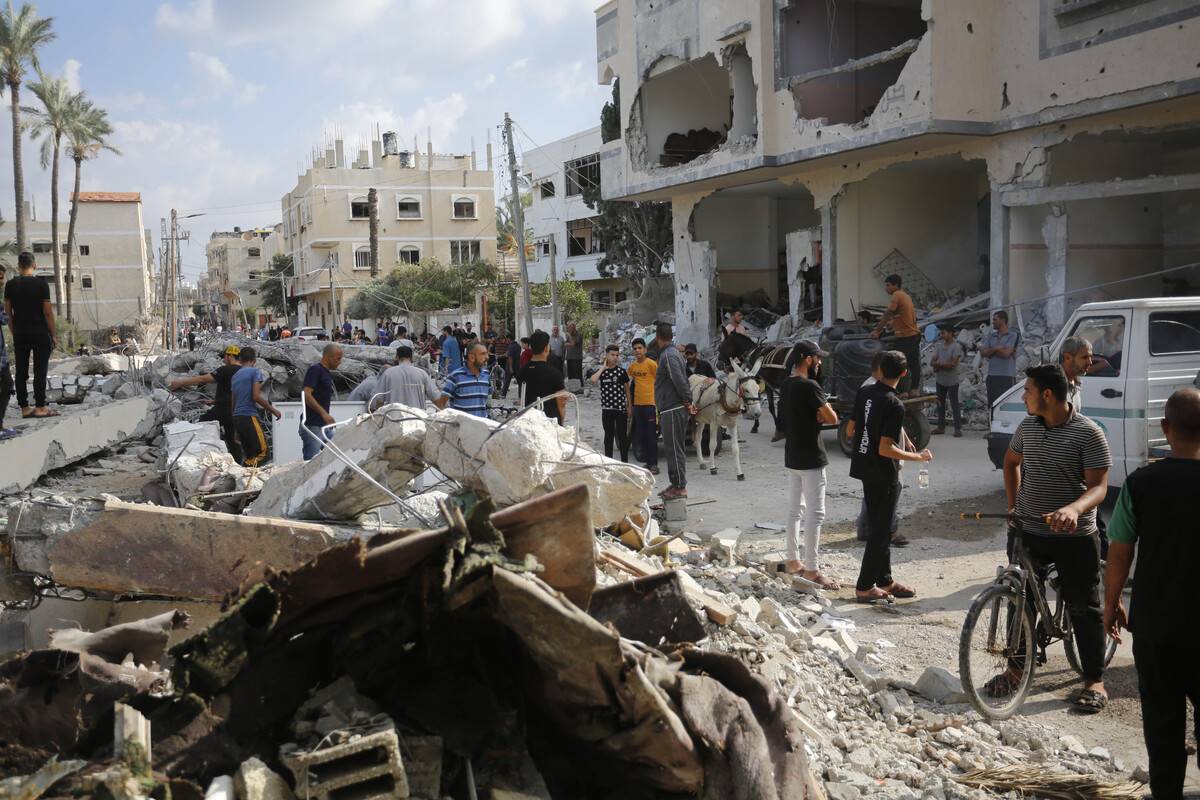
(616, 401)
(878, 426)
(542, 380)
(31, 321)
(805, 409)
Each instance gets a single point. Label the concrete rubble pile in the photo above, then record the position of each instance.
(867, 734)
(442, 662)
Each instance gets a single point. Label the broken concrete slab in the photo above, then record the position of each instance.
(81, 431)
(200, 463)
(145, 640)
(386, 445)
(651, 610)
(941, 685)
(256, 781)
(114, 546)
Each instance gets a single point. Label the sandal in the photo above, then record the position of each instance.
(48, 414)
(898, 540)
(899, 590)
(26, 414)
(1002, 685)
(816, 577)
(874, 597)
(1089, 701)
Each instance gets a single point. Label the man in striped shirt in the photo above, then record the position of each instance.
(1055, 476)
(468, 386)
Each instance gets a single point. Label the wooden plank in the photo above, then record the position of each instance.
(556, 528)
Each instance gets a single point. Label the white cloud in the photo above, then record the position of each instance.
(487, 82)
(71, 73)
(437, 118)
(520, 65)
(188, 18)
(572, 81)
(218, 81)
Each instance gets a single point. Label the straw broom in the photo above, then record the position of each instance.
(1037, 782)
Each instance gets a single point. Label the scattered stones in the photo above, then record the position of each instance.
(941, 686)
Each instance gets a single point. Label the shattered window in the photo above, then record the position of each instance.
(580, 174)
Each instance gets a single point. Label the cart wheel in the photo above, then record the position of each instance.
(917, 426)
(844, 438)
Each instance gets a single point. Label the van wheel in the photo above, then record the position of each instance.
(917, 426)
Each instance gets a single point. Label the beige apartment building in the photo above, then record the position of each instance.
(112, 266)
(430, 206)
(808, 148)
(239, 261)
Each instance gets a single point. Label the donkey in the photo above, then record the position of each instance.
(720, 402)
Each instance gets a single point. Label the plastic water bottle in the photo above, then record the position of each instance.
(923, 478)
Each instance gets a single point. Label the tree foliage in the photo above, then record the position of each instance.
(425, 286)
(270, 292)
(610, 116)
(574, 304)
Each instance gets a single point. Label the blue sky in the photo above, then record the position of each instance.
(217, 103)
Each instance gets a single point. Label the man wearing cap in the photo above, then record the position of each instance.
(695, 364)
(222, 410)
(805, 408)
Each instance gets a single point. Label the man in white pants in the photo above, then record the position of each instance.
(805, 409)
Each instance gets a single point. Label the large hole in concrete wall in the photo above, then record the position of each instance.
(686, 111)
(745, 95)
(819, 35)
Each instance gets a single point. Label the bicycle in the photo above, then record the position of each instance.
(1010, 625)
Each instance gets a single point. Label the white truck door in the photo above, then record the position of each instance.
(1173, 362)
(1103, 389)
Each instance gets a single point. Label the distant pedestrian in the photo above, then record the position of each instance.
(806, 409)
(1155, 516)
(542, 380)
(557, 345)
(645, 414)
(31, 322)
(407, 384)
(616, 401)
(6, 382)
(573, 354)
(879, 420)
(1000, 349)
(222, 407)
(451, 352)
(470, 386)
(347, 328)
(673, 398)
(901, 315)
(191, 337)
(246, 388)
(318, 398)
(947, 353)
(512, 362)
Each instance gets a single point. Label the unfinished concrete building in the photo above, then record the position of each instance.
(809, 147)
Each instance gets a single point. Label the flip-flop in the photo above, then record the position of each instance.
(825, 583)
(901, 591)
(26, 414)
(1089, 701)
(885, 600)
(36, 415)
(899, 541)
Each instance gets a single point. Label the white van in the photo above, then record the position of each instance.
(1153, 348)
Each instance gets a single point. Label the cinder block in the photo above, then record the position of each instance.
(423, 766)
(362, 769)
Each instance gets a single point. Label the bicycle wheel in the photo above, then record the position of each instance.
(1064, 620)
(993, 634)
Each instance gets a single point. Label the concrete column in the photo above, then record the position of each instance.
(829, 262)
(799, 245)
(1001, 219)
(1054, 232)
(695, 277)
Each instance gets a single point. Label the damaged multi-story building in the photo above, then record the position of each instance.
(809, 147)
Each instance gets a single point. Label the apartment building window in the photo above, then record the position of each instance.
(582, 173)
(601, 299)
(408, 208)
(409, 254)
(464, 208)
(581, 240)
(85, 250)
(362, 257)
(86, 281)
(464, 251)
(253, 252)
(619, 297)
(543, 248)
(360, 208)
(43, 247)
(546, 189)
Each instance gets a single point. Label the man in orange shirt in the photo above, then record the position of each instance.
(902, 316)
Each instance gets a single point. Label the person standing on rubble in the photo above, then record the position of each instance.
(1000, 349)
(879, 431)
(540, 379)
(246, 388)
(673, 398)
(616, 401)
(901, 314)
(1156, 516)
(806, 409)
(318, 397)
(947, 354)
(407, 384)
(222, 408)
(470, 386)
(31, 323)
(645, 415)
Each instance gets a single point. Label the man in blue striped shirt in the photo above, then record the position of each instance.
(469, 386)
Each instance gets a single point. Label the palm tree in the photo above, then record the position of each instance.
(87, 137)
(59, 105)
(7, 250)
(21, 34)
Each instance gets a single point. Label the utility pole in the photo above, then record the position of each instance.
(174, 301)
(519, 222)
(164, 284)
(373, 209)
(553, 282)
(337, 316)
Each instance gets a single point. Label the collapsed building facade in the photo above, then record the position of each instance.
(811, 147)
